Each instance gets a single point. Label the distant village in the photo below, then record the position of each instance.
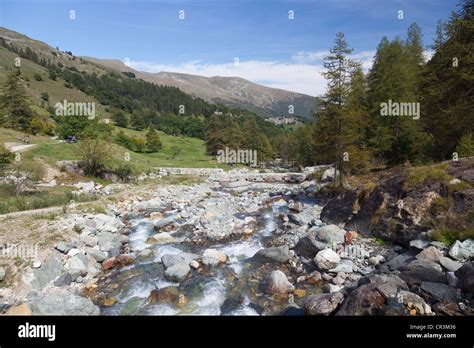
(283, 120)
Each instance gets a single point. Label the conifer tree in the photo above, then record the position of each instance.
(153, 142)
(14, 104)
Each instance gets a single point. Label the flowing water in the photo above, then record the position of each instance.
(231, 289)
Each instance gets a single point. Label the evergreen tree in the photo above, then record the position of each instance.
(393, 77)
(333, 134)
(137, 121)
(120, 119)
(233, 134)
(448, 96)
(215, 139)
(14, 104)
(153, 142)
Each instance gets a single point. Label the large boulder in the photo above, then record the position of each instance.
(450, 265)
(169, 260)
(49, 271)
(277, 283)
(377, 295)
(462, 251)
(168, 294)
(319, 238)
(420, 271)
(466, 277)
(323, 304)
(278, 254)
(431, 254)
(161, 238)
(177, 272)
(440, 291)
(63, 304)
(326, 259)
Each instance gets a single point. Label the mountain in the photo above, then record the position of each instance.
(230, 91)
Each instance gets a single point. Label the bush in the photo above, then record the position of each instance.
(38, 77)
(94, 156)
(40, 125)
(124, 172)
(25, 174)
(6, 157)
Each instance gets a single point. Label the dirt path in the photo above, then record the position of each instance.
(18, 147)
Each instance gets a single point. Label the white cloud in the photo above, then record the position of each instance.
(302, 75)
(309, 57)
(301, 78)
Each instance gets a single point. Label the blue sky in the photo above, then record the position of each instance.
(271, 48)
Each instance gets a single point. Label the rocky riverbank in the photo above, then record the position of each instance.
(268, 246)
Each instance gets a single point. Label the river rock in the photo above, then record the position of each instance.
(431, 253)
(419, 244)
(297, 207)
(171, 259)
(399, 261)
(345, 266)
(375, 296)
(50, 270)
(97, 255)
(215, 254)
(440, 291)
(177, 272)
(161, 238)
(20, 310)
(115, 261)
(168, 294)
(64, 304)
(466, 277)
(452, 279)
(330, 234)
(330, 288)
(64, 247)
(462, 251)
(413, 301)
(326, 259)
(450, 265)
(296, 219)
(278, 254)
(276, 282)
(322, 304)
(420, 271)
(63, 280)
(308, 246)
(160, 224)
(77, 263)
(376, 260)
(2, 274)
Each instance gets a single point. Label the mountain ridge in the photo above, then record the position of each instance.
(232, 91)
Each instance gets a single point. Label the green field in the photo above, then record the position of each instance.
(177, 151)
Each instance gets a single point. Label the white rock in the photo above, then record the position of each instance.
(327, 259)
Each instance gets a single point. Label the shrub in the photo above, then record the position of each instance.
(38, 77)
(6, 157)
(94, 156)
(124, 172)
(25, 174)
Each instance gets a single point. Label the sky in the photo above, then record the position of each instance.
(277, 43)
